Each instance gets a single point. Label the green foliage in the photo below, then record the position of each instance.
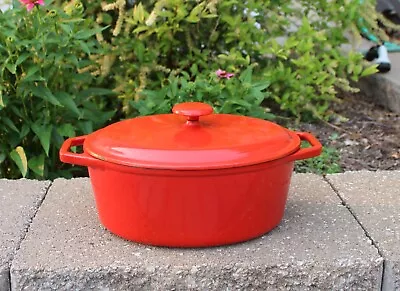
(296, 47)
(326, 163)
(47, 90)
(237, 95)
(62, 65)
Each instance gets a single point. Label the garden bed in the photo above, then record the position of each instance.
(367, 137)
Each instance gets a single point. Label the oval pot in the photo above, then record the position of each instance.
(192, 208)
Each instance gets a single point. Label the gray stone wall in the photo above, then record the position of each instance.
(339, 232)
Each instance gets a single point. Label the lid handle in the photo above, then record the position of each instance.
(192, 110)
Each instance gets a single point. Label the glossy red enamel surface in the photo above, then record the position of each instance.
(191, 139)
(192, 209)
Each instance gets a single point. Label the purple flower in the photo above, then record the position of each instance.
(224, 74)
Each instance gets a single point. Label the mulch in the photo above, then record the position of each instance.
(366, 135)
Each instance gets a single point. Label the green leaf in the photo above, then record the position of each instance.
(73, 59)
(358, 69)
(85, 34)
(321, 78)
(43, 132)
(84, 47)
(139, 13)
(82, 77)
(68, 101)
(194, 15)
(12, 68)
(32, 76)
(140, 29)
(370, 71)
(36, 164)
(24, 130)
(261, 85)
(240, 102)
(1, 100)
(194, 69)
(66, 130)
(9, 123)
(139, 51)
(19, 158)
(16, 111)
(86, 126)
(209, 16)
(193, 19)
(22, 58)
(2, 157)
(98, 118)
(44, 93)
(174, 87)
(246, 75)
(67, 29)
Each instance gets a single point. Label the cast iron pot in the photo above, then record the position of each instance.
(179, 180)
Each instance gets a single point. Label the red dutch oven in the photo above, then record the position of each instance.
(192, 178)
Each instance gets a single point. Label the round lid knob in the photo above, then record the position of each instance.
(192, 110)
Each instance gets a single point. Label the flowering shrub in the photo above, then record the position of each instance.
(59, 65)
(48, 88)
(294, 45)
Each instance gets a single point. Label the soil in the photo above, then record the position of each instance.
(366, 135)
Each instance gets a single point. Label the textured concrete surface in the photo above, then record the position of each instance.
(374, 198)
(19, 201)
(319, 245)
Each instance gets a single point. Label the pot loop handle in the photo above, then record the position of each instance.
(309, 152)
(192, 111)
(83, 159)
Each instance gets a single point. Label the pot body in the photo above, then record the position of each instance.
(191, 208)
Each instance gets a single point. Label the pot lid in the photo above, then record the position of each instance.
(191, 139)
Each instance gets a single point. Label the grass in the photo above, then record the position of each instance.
(326, 163)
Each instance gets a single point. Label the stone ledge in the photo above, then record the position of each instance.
(19, 202)
(318, 245)
(374, 198)
(384, 89)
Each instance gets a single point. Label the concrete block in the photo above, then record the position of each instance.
(19, 201)
(318, 245)
(374, 198)
(384, 89)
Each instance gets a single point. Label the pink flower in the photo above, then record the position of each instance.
(224, 74)
(29, 4)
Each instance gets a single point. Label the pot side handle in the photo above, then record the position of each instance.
(69, 157)
(310, 152)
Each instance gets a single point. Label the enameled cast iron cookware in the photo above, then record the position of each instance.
(192, 178)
